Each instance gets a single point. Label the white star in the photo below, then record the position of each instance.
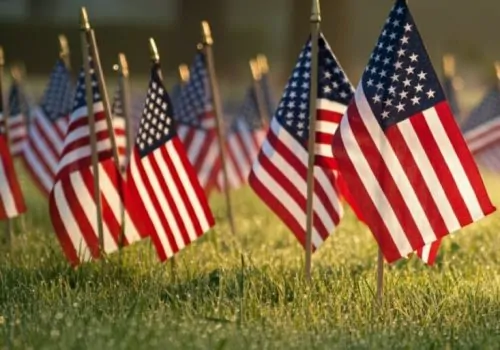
(410, 70)
(395, 23)
(289, 115)
(414, 57)
(404, 40)
(388, 102)
(403, 95)
(390, 48)
(374, 70)
(328, 75)
(150, 141)
(305, 85)
(166, 131)
(430, 94)
(385, 114)
(398, 65)
(387, 60)
(422, 76)
(400, 10)
(377, 58)
(401, 52)
(400, 107)
(162, 116)
(377, 98)
(369, 82)
(392, 90)
(293, 94)
(304, 96)
(395, 77)
(343, 94)
(302, 115)
(383, 73)
(158, 135)
(335, 85)
(380, 45)
(407, 82)
(408, 27)
(393, 36)
(306, 75)
(300, 125)
(327, 89)
(336, 70)
(415, 100)
(419, 88)
(291, 104)
(384, 32)
(380, 86)
(303, 106)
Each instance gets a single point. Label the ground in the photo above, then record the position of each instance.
(209, 300)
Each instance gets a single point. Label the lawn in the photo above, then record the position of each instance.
(210, 300)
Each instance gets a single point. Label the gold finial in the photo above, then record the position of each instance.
(263, 65)
(63, 45)
(449, 65)
(2, 59)
(207, 33)
(84, 19)
(122, 59)
(153, 50)
(184, 73)
(315, 12)
(254, 67)
(17, 72)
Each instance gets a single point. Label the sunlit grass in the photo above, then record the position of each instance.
(211, 301)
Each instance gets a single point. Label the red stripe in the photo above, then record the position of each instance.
(454, 134)
(109, 218)
(35, 176)
(324, 138)
(11, 176)
(37, 123)
(492, 130)
(83, 120)
(85, 141)
(330, 116)
(188, 137)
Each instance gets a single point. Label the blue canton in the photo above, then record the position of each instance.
(333, 85)
(487, 111)
(58, 97)
(80, 94)
(450, 93)
(157, 126)
(117, 107)
(195, 96)
(14, 100)
(399, 80)
(248, 114)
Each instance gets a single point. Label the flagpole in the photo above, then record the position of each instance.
(64, 51)
(5, 111)
(257, 76)
(125, 89)
(313, 95)
(207, 46)
(184, 74)
(85, 28)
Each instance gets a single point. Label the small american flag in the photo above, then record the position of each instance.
(197, 126)
(119, 124)
(451, 95)
(72, 205)
(243, 142)
(400, 149)
(482, 131)
(279, 175)
(46, 135)
(163, 192)
(11, 198)
(17, 121)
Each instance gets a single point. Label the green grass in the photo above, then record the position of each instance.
(211, 302)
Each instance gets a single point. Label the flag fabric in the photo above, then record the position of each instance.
(72, 205)
(17, 121)
(11, 198)
(429, 252)
(279, 174)
(451, 96)
(163, 192)
(243, 142)
(45, 139)
(399, 148)
(119, 125)
(196, 128)
(482, 131)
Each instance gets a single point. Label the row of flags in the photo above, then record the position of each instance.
(391, 149)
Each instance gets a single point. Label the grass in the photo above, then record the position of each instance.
(210, 302)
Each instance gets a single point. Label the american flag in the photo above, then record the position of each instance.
(17, 121)
(482, 131)
(46, 134)
(268, 95)
(119, 125)
(72, 205)
(11, 198)
(163, 192)
(279, 174)
(451, 96)
(197, 126)
(399, 148)
(429, 252)
(243, 142)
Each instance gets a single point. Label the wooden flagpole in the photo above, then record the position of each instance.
(125, 89)
(313, 95)
(380, 277)
(184, 74)
(64, 51)
(207, 47)
(257, 76)
(5, 117)
(85, 28)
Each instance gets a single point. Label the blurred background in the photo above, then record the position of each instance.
(242, 28)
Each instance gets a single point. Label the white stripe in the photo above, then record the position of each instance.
(331, 106)
(430, 177)
(41, 145)
(70, 223)
(17, 132)
(323, 150)
(192, 196)
(162, 200)
(453, 163)
(372, 186)
(84, 132)
(83, 152)
(326, 127)
(6, 193)
(82, 112)
(150, 209)
(48, 129)
(45, 179)
(195, 147)
(426, 250)
(209, 162)
(395, 168)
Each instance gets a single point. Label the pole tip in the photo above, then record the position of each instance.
(255, 68)
(84, 19)
(263, 64)
(122, 59)
(449, 65)
(63, 45)
(153, 50)
(315, 12)
(206, 33)
(2, 59)
(184, 73)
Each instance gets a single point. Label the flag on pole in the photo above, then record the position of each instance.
(482, 131)
(243, 142)
(197, 126)
(46, 135)
(279, 175)
(72, 205)
(11, 198)
(17, 121)
(119, 125)
(399, 147)
(163, 192)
